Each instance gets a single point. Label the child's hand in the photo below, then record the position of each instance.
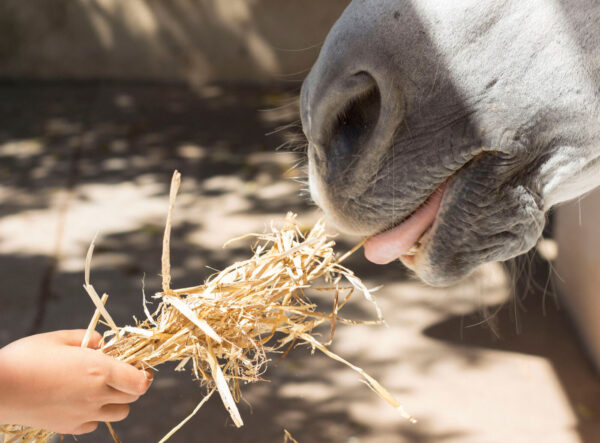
(47, 381)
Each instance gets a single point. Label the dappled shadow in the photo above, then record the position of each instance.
(126, 130)
(102, 153)
(308, 395)
(62, 143)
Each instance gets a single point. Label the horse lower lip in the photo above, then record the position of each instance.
(389, 245)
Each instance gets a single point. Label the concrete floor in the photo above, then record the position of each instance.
(81, 158)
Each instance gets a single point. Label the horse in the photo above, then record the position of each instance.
(445, 131)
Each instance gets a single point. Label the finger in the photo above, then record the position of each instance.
(149, 373)
(74, 337)
(86, 428)
(114, 396)
(94, 340)
(113, 412)
(126, 378)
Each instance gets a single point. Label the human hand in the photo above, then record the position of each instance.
(48, 381)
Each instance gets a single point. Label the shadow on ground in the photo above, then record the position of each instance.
(534, 324)
(77, 158)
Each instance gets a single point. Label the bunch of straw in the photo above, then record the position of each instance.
(226, 327)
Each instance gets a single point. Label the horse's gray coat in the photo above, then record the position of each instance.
(501, 97)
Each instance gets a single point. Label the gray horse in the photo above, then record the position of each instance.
(447, 129)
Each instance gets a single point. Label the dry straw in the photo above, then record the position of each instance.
(225, 329)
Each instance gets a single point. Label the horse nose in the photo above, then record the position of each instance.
(349, 121)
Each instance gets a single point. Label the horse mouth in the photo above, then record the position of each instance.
(406, 239)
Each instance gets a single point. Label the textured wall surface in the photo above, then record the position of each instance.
(193, 40)
(578, 266)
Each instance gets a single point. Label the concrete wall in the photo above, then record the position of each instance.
(577, 232)
(194, 40)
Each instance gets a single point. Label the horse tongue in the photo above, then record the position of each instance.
(390, 245)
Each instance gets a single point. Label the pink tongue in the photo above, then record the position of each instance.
(390, 245)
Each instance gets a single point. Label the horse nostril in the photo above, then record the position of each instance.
(353, 123)
(350, 125)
